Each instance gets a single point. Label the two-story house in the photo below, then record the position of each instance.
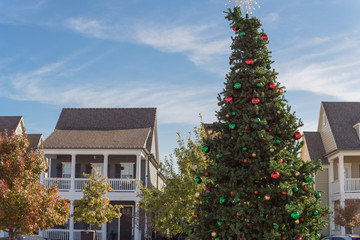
(337, 144)
(121, 144)
(16, 124)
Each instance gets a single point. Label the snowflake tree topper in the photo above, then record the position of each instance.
(248, 4)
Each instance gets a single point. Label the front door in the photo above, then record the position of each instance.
(126, 223)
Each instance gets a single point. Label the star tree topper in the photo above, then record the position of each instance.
(248, 4)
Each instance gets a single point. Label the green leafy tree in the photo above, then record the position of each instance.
(175, 200)
(26, 205)
(94, 207)
(259, 188)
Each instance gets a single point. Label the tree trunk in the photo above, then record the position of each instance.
(11, 234)
(94, 237)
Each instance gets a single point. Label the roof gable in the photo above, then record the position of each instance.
(342, 116)
(9, 122)
(315, 147)
(106, 118)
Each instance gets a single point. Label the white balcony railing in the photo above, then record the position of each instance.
(57, 234)
(62, 183)
(352, 184)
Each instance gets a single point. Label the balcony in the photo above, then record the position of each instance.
(65, 234)
(64, 184)
(351, 185)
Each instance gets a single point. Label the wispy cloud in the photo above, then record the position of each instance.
(172, 101)
(91, 28)
(331, 68)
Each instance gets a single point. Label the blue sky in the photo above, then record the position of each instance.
(172, 55)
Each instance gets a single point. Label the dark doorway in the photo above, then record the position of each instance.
(112, 230)
(126, 223)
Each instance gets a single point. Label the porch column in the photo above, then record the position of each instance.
(71, 221)
(146, 171)
(137, 233)
(332, 223)
(103, 229)
(331, 177)
(341, 176)
(49, 168)
(73, 164)
(138, 163)
(106, 162)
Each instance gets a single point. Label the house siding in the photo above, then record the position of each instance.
(325, 132)
(355, 165)
(153, 176)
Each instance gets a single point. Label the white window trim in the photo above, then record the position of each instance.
(63, 167)
(127, 163)
(348, 165)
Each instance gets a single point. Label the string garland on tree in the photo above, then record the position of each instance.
(248, 4)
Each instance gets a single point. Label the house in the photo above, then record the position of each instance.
(16, 124)
(337, 144)
(121, 144)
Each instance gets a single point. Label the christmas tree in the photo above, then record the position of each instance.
(259, 188)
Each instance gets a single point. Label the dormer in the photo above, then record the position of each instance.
(357, 129)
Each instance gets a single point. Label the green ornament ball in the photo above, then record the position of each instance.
(318, 235)
(215, 164)
(261, 214)
(233, 113)
(218, 155)
(318, 195)
(198, 180)
(222, 200)
(242, 34)
(259, 84)
(244, 148)
(232, 126)
(277, 141)
(218, 223)
(191, 231)
(205, 149)
(240, 134)
(307, 179)
(257, 120)
(315, 213)
(237, 85)
(217, 238)
(275, 226)
(295, 215)
(268, 67)
(295, 189)
(237, 199)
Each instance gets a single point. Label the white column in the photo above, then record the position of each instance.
(138, 163)
(71, 221)
(341, 176)
(332, 223)
(49, 167)
(103, 229)
(331, 177)
(146, 171)
(137, 233)
(73, 164)
(106, 162)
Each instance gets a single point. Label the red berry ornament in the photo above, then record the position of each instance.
(324, 214)
(195, 215)
(299, 238)
(235, 28)
(297, 135)
(229, 99)
(255, 100)
(275, 175)
(245, 160)
(265, 36)
(206, 174)
(220, 137)
(256, 192)
(219, 104)
(283, 192)
(272, 85)
(249, 61)
(207, 190)
(302, 219)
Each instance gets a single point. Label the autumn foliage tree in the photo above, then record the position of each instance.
(348, 216)
(26, 205)
(175, 200)
(94, 207)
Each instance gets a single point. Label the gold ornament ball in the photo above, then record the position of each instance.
(279, 112)
(197, 194)
(210, 132)
(267, 198)
(265, 47)
(281, 91)
(297, 174)
(233, 63)
(281, 151)
(227, 115)
(272, 150)
(254, 154)
(213, 234)
(204, 158)
(297, 221)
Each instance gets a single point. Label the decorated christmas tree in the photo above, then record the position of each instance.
(259, 188)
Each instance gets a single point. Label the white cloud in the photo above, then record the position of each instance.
(330, 68)
(90, 28)
(271, 17)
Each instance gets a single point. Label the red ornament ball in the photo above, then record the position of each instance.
(283, 192)
(265, 36)
(283, 238)
(206, 174)
(272, 85)
(305, 188)
(229, 99)
(245, 160)
(234, 43)
(302, 219)
(249, 61)
(220, 137)
(299, 238)
(246, 127)
(231, 193)
(297, 135)
(207, 190)
(275, 175)
(195, 215)
(324, 214)
(255, 100)
(235, 28)
(238, 214)
(270, 129)
(256, 192)
(281, 160)
(219, 104)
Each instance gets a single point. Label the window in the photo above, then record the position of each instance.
(98, 167)
(66, 170)
(127, 170)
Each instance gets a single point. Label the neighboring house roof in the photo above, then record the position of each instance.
(342, 116)
(315, 147)
(9, 122)
(35, 140)
(117, 128)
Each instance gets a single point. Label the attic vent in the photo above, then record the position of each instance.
(357, 129)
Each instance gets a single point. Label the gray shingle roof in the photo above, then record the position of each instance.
(106, 118)
(9, 122)
(315, 147)
(34, 140)
(119, 128)
(98, 139)
(342, 116)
